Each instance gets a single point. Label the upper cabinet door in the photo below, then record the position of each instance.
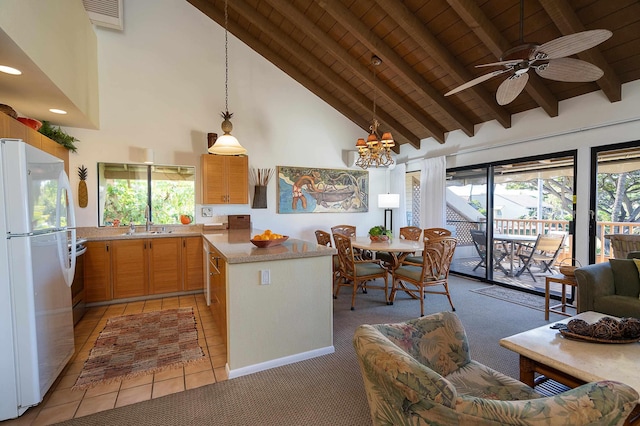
(225, 179)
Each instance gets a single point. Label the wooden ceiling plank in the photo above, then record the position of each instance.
(568, 23)
(286, 43)
(290, 12)
(487, 32)
(430, 44)
(402, 134)
(391, 59)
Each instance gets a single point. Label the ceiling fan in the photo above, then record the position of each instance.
(549, 60)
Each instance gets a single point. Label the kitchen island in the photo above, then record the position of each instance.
(274, 305)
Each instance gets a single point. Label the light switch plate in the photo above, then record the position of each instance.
(207, 212)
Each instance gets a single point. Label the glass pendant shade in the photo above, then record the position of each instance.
(227, 145)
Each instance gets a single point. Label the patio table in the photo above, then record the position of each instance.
(514, 239)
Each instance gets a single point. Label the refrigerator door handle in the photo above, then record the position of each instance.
(66, 254)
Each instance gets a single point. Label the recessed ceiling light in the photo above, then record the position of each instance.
(9, 70)
(57, 111)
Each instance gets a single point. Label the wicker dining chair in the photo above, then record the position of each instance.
(348, 230)
(411, 233)
(323, 238)
(433, 271)
(436, 233)
(356, 273)
(428, 234)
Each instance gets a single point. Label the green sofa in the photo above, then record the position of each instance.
(420, 372)
(610, 287)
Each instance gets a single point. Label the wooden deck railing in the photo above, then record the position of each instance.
(535, 227)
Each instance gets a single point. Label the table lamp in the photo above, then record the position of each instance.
(388, 202)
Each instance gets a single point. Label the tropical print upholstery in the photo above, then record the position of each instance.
(420, 373)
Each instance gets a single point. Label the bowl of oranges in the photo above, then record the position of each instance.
(268, 239)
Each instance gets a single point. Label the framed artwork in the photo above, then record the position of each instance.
(312, 190)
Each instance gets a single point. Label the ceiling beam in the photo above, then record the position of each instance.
(432, 46)
(299, 20)
(403, 135)
(568, 22)
(472, 15)
(377, 46)
(331, 77)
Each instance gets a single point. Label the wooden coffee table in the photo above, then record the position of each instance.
(543, 350)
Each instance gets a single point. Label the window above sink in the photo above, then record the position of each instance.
(141, 193)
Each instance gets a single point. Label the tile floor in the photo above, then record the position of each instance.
(61, 403)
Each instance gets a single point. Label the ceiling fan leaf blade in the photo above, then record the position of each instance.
(510, 63)
(475, 81)
(572, 44)
(570, 70)
(511, 88)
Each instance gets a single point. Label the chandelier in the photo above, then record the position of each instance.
(376, 149)
(226, 144)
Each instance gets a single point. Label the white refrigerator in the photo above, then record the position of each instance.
(36, 271)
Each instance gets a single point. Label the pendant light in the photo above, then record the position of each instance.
(226, 144)
(376, 149)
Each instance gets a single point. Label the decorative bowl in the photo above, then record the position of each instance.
(269, 243)
(31, 122)
(379, 238)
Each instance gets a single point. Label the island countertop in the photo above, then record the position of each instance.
(235, 246)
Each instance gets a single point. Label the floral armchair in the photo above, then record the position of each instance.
(420, 372)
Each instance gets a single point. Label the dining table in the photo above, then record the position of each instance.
(514, 240)
(398, 249)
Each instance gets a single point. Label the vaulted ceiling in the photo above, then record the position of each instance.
(427, 48)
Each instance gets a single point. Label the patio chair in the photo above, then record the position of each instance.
(479, 239)
(544, 253)
(356, 273)
(433, 271)
(324, 239)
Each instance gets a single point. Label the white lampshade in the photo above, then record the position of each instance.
(388, 201)
(227, 145)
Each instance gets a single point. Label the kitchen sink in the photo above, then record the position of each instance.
(146, 233)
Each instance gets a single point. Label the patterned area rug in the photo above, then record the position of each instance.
(138, 344)
(514, 296)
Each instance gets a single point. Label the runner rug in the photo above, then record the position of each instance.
(513, 296)
(138, 344)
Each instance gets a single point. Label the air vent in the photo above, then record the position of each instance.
(105, 13)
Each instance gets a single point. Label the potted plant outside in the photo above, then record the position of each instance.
(379, 233)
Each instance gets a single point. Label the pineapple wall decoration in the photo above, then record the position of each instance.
(83, 196)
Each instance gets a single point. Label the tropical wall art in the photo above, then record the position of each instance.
(313, 190)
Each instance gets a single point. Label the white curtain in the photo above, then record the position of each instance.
(397, 185)
(432, 192)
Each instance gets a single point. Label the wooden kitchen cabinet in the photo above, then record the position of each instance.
(129, 267)
(218, 290)
(97, 272)
(165, 265)
(192, 263)
(12, 128)
(225, 179)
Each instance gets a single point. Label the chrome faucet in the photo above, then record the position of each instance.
(146, 216)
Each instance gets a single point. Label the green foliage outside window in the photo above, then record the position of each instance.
(125, 196)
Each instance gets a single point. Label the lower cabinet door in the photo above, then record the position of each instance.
(165, 265)
(129, 259)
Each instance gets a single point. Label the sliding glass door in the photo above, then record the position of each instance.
(614, 227)
(502, 210)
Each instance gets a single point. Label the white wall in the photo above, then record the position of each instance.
(161, 86)
(583, 122)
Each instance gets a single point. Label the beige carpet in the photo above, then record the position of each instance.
(529, 300)
(138, 344)
(328, 390)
